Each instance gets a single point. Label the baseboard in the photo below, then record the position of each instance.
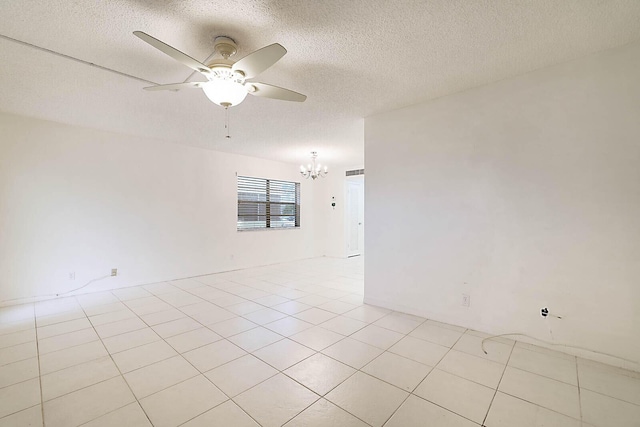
(585, 354)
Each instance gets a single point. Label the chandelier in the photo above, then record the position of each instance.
(312, 170)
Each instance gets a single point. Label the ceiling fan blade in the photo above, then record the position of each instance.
(275, 92)
(176, 86)
(258, 61)
(173, 52)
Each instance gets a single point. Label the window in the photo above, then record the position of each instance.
(267, 203)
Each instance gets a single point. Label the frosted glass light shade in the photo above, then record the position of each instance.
(226, 93)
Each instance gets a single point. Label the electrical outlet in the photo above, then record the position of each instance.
(466, 300)
(114, 271)
(72, 275)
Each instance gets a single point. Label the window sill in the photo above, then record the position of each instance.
(268, 229)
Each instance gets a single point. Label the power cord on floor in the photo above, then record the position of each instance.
(58, 294)
(555, 344)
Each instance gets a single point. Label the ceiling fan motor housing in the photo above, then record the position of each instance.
(225, 46)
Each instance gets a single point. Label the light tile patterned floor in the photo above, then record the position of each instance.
(289, 344)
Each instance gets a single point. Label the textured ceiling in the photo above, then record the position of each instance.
(352, 58)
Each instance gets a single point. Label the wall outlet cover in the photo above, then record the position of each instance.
(466, 300)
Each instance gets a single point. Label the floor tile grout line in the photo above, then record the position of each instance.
(256, 385)
(220, 404)
(76, 330)
(283, 373)
(383, 380)
(270, 307)
(19, 360)
(365, 373)
(39, 370)
(22, 343)
(549, 352)
(379, 348)
(177, 354)
(441, 359)
(611, 397)
(123, 379)
(323, 396)
(464, 378)
(186, 316)
(185, 332)
(412, 393)
(538, 405)
(465, 353)
(608, 369)
(75, 345)
(72, 332)
(397, 409)
(448, 410)
(229, 398)
(85, 387)
(32, 319)
(25, 380)
(200, 373)
(56, 323)
(475, 356)
(498, 386)
(21, 410)
(19, 343)
(409, 393)
(579, 390)
(543, 376)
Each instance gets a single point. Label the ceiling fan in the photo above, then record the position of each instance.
(227, 83)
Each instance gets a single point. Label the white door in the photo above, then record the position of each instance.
(355, 216)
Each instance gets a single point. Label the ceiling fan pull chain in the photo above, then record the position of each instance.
(226, 121)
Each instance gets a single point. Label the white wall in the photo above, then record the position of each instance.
(524, 193)
(332, 233)
(74, 199)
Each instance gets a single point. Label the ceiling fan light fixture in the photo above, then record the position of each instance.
(226, 93)
(226, 78)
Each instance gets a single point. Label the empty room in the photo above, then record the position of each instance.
(414, 213)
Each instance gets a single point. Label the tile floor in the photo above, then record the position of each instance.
(290, 344)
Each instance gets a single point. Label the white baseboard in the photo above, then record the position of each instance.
(585, 354)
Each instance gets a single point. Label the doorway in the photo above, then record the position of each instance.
(355, 215)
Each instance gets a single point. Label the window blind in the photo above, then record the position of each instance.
(267, 203)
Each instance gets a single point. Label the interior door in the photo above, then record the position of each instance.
(355, 217)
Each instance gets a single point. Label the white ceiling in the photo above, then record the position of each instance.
(352, 58)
